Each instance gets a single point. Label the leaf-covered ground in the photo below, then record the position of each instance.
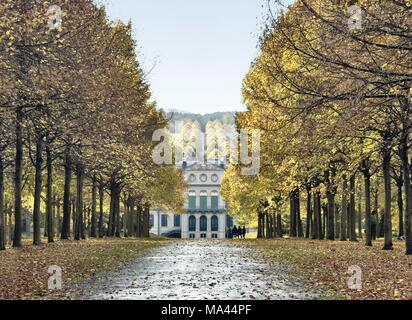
(24, 272)
(324, 264)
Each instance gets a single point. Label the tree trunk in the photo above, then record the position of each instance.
(146, 214)
(2, 209)
(18, 179)
(408, 192)
(319, 214)
(138, 226)
(93, 231)
(401, 226)
(131, 216)
(58, 216)
(46, 223)
(324, 221)
(330, 195)
(309, 223)
(112, 215)
(352, 209)
(263, 223)
(79, 202)
(49, 195)
(293, 224)
(337, 220)
(74, 213)
(86, 221)
(360, 233)
(37, 191)
(117, 210)
(331, 215)
(315, 229)
(368, 237)
(126, 214)
(101, 208)
(54, 215)
(66, 197)
(298, 215)
(386, 166)
(279, 230)
(10, 226)
(344, 213)
(259, 232)
(267, 225)
(376, 208)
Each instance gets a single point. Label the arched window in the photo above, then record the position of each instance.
(192, 200)
(203, 223)
(203, 200)
(192, 223)
(214, 200)
(215, 223)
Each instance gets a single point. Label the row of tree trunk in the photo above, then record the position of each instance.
(339, 221)
(269, 224)
(85, 220)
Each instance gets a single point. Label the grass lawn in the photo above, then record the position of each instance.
(324, 264)
(24, 272)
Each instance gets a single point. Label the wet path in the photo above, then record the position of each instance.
(204, 270)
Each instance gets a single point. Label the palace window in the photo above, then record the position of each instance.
(215, 223)
(164, 220)
(177, 220)
(203, 200)
(151, 221)
(203, 223)
(214, 200)
(203, 235)
(192, 200)
(192, 223)
(214, 235)
(192, 236)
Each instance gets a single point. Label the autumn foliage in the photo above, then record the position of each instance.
(75, 102)
(331, 93)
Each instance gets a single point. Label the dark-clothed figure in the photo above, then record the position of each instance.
(244, 232)
(229, 233)
(235, 232)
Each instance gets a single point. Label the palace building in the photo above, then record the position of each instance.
(205, 213)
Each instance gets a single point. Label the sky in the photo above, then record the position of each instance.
(200, 49)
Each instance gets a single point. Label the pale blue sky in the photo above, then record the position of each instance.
(201, 49)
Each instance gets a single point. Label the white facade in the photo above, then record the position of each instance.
(205, 211)
(157, 220)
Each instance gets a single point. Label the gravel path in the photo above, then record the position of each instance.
(205, 270)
